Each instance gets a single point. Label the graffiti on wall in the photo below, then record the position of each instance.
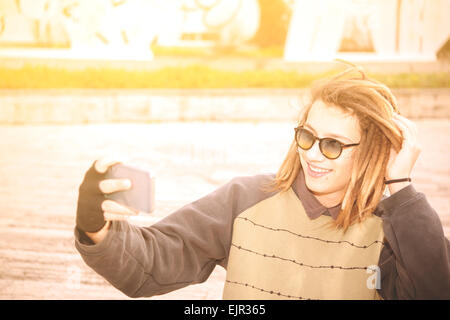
(75, 22)
(228, 22)
(126, 23)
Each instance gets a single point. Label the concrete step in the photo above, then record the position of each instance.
(109, 106)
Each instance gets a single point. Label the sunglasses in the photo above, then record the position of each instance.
(330, 148)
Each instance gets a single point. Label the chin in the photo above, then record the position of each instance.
(317, 188)
(321, 186)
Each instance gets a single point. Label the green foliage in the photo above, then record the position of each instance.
(213, 52)
(193, 77)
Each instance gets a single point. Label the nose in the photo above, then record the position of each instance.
(314, 153)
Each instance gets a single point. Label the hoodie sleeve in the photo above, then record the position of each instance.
(415, 262)
(181, 249)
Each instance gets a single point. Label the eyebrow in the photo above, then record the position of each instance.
(331, 135)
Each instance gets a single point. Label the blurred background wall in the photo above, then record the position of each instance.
(400, 29)
(387, 29)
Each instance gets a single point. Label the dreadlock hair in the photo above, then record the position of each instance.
(373, 104)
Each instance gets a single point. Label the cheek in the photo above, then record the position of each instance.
(344, 166)
(342, 169)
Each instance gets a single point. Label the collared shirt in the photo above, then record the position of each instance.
(313, 207)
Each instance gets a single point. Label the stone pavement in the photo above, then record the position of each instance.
(41, 168)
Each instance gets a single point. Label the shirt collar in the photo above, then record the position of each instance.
(312, 206)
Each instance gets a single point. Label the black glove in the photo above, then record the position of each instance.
(90, 197)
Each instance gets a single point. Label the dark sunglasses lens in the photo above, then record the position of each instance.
(305, 139)
(330, 148)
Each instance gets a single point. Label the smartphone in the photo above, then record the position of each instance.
(141, 195)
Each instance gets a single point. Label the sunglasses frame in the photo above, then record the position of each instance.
(343, 145)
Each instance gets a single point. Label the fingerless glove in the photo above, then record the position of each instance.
(89, 211)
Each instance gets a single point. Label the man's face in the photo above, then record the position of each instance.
(329, 121)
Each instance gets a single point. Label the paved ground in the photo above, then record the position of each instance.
(42, 166)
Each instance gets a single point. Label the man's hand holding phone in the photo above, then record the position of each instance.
(99, 190)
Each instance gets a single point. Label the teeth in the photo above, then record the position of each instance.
(318, 170)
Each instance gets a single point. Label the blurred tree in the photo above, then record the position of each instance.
(274, 23)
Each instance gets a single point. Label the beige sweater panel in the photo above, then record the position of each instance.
(278, 252)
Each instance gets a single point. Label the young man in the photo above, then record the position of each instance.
(314, 230)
